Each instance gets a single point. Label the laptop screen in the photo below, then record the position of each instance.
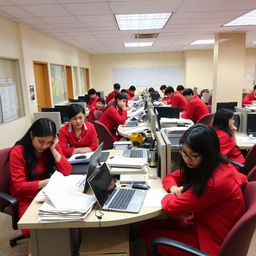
(102, 184)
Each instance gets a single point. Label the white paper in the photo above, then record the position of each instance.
(153, 198)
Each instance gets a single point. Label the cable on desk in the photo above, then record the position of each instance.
(99, 215)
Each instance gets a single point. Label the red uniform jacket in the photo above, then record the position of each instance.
(112, 117)
(110, 96)
(249, 98)
(25, 190)
(69, 141)
(90, 115)
(92, 102)
(177, 100)
(130, 95)
(196, 109)
(216, 211)
(229, 148)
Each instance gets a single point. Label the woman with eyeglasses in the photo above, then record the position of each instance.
(223, 123)
(205, 193)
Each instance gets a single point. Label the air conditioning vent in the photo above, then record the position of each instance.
(146, 36)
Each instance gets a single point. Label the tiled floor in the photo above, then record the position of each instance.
(21, 248)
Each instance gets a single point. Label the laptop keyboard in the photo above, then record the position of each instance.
(122, 199)
(136, 153)
(131, 124)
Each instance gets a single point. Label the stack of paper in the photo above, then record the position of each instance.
(120, 161)
(63, 202)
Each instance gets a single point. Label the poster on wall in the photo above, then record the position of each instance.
(32, 92)
(31, 84)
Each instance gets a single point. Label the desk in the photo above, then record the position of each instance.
(241, 141)
(60, 239)
(126, 131)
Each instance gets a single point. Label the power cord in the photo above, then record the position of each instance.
(99, 214)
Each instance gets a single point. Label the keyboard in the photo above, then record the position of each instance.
(131, 124)
(136, 153)
(122, 199)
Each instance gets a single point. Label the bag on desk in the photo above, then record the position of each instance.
(80, 158)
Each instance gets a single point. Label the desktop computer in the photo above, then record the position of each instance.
(228, 105)
(238, 121)
(251, 124)
(168, 151)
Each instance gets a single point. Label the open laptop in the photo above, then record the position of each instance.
(136, 153)
(111, 198)
(131, 124)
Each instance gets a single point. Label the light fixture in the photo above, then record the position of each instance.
(247, 19)
(207, 41)
(142, 21)
(254, 42)
(142, 44)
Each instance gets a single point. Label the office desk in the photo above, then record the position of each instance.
(242, 143)
(126, 131)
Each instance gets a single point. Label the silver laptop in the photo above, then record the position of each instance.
(131, 124)
(136, 153)
(111, 198)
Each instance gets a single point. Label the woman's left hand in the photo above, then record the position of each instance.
(55, 142)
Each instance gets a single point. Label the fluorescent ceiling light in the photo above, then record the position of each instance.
(142, 44)
(247, 19)
(209, 41)
(142, 21)
(254, 42)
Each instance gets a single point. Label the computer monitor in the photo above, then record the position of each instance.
(161, 155)
(251, 123)
(168, 151)
(169, 112)
(63, 112)
(54, 116)
(84, 98)
(228, 105)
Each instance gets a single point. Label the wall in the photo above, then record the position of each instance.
(21, 42)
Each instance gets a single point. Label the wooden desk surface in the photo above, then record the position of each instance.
(241, 141)
(30, 219)
(126, 131)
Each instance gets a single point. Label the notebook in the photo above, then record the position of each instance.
(136, 153)
(121, 161)
(111, 198)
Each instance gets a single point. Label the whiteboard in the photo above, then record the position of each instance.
(147, 76)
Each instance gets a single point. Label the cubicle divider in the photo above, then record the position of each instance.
(161, 154)
(54, 116)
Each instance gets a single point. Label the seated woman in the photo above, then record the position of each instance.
(32, 161)
(78, 135)
(115, 114)
(223, 123)
(204, 191)
(100, 104)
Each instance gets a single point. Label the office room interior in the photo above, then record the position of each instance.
(84, 34)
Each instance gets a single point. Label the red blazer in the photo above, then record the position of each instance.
(249, 98)
(25, 190)
(177, 100)
(92, 102)
(195, 109)
(110, 96)
(69, 141)
(229, 148)
(112, 117)
(130, 95)
(216, 211)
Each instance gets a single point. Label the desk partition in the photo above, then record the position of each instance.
(161, 161)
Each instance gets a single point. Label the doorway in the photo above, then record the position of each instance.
(69, 82)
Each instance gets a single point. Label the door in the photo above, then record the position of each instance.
(87, 77)
(42, 85)
(69, 82)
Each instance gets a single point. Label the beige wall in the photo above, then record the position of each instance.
(27, 45)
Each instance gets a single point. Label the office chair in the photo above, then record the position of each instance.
(104, 135)
(251, 176)
(207, 119)
(8, 203)
(238, 240)
(203, 91)
(97, 114)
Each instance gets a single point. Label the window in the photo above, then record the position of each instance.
(58, 82)
(11, 104)
(76, 85)
(83, 80)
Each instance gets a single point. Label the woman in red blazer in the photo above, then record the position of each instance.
(115, 114)
(78, 135)
(206, 190)
(32, 161)
(223, 123)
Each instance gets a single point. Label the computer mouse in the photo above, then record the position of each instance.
(80, 157)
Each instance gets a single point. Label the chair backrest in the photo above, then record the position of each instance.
(251, 176)
(4, 175)
(104, 135)
(209, 107)
(203, 91)
(207, 119)
(250, 159)
(97, 114)
(238, 240)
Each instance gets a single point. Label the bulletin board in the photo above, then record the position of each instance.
(147, 76)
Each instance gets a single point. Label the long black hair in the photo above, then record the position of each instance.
(119, 96)
(221, 120)
(203, 140)
(42, 127)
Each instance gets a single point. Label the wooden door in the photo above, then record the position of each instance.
(42, 85)
(69, 82)
(87, 77)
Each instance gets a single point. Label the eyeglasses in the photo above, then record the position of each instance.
(190, 157)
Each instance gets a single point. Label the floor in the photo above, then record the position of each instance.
(21, 248)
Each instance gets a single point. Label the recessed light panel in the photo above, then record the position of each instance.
(246, 19)
(209, 41)
(142, 44)
(142, 21)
